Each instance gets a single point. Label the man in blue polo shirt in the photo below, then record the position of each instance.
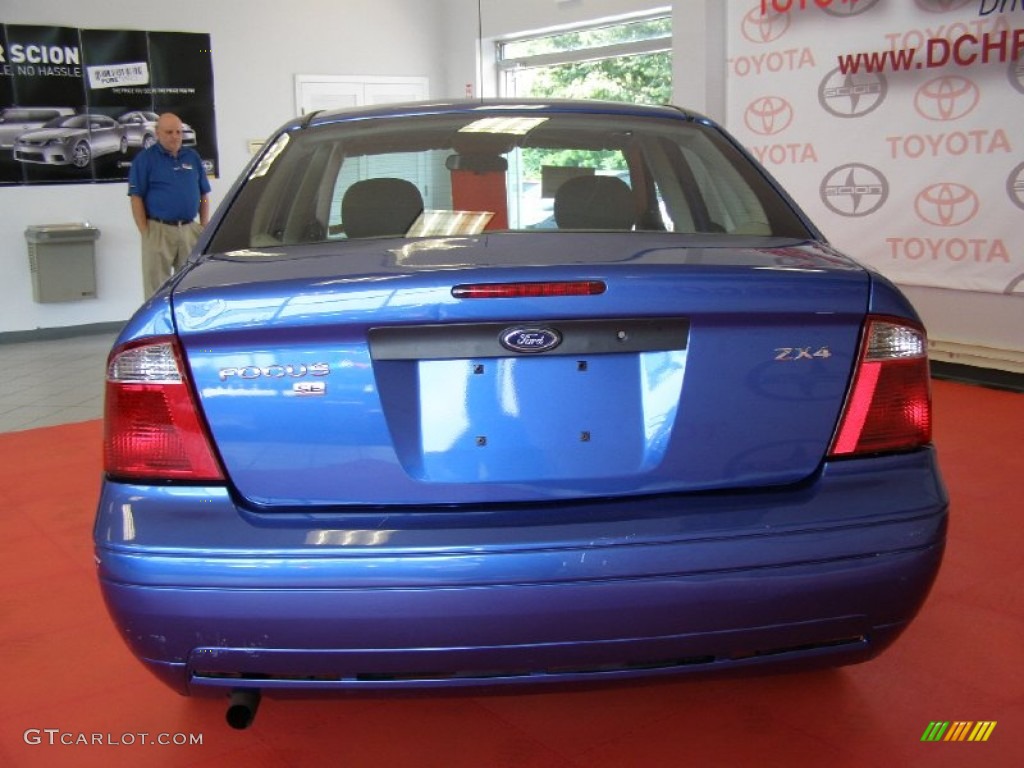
(168, 189)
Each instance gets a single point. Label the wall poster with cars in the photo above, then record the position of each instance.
(76, 105)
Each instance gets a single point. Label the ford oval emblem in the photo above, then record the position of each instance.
(530, 339)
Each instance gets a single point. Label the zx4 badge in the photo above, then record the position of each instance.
(793, 354)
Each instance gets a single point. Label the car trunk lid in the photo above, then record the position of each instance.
(352, 374)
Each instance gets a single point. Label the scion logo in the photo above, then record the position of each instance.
(947, 204)
(852, 95)
(850, 7)
(1017, 74)
(943, 6)
(1015, 186)
(854, 190)
(768, 115)
(764, 28)
(948, 97)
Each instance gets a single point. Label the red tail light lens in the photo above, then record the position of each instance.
(889, 406)
(153, 430)
(529, 290)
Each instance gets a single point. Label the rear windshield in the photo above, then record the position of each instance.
(503, 170)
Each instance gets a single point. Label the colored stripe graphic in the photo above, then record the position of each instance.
(959, 730)
(982, 731)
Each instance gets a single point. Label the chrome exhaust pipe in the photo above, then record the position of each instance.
(242, 707)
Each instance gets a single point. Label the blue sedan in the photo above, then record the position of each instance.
(385, 432)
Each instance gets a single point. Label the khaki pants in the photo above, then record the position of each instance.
(165, 247)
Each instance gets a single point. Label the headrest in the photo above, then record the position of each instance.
(594, 202)
(377, 207)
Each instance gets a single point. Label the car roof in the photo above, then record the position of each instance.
(536, 106)
(60, 110)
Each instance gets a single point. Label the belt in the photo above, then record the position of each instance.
(173, 222)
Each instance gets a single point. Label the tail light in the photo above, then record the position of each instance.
(888, 407)
(556, 289)
(153, 430)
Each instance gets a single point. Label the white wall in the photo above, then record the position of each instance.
(698, 57)
(258, 47)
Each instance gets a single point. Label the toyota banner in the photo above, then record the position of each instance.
(896, 124)
(76, 105)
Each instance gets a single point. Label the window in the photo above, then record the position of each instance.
(626, 60)
(501, 170)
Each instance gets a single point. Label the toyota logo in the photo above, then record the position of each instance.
(854, 190)
(943, 6)
(1016, 74)
(947, 204)
(768, 115)
(850, 7)
(852, 95)
(1015, 186)
(764, 28)
(949, 97)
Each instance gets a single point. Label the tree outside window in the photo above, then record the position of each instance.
(626, 61)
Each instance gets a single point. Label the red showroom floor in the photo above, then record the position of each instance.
(74, 696)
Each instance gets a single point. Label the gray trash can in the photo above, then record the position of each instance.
(62, 258)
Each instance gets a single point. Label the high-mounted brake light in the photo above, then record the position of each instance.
(888, 408)
(529, 290)
(153, 430)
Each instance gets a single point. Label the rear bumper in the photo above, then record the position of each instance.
(211, 597)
